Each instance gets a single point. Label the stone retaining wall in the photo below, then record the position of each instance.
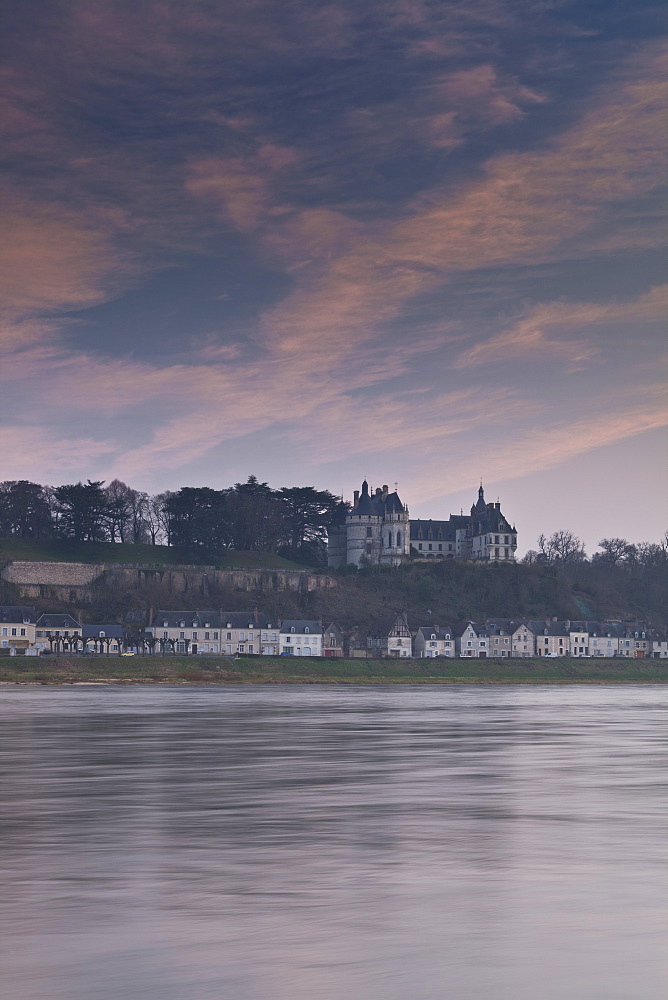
(75, 582)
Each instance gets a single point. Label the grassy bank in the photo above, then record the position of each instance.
(35, 550)
(278, 670)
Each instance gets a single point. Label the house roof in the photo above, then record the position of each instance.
(192, 619)
(57, 621)
(427, 631)
(303, 625)
(110, 631)
(17, 613)
(246, 619)
(385, 625)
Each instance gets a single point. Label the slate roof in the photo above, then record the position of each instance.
(192, 619)
(436, 531)
(246, 619)
(17, 613)
(384, 626)
(110, 631)
(57, 621)
(301, 626)
(426, 631)
(373, 504)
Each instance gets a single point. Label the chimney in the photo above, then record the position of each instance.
(385, 491)
(378, 491)
(498, 505)
(356, 498)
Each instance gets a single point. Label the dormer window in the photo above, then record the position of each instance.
(306, 629)
(292, 628)
(182, 624)
(433, 635)
(165, 624)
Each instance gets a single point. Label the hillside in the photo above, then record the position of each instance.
(438, 593)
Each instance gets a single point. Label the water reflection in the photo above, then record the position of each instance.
(372, 843)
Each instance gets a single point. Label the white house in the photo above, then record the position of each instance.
(434, 641)
(186, 632)
(300, 637)
(472, 640)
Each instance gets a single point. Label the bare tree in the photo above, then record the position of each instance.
(562, 547)
(615, 550)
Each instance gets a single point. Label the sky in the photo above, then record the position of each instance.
(413, 241)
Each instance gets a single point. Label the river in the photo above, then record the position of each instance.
(317, 843)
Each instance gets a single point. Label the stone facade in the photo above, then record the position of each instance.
(376, 531)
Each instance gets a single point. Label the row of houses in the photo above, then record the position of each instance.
(24, 632)
(231, 633)
(505, 638)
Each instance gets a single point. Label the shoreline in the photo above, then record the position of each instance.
(77, 671)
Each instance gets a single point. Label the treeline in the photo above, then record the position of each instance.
(198, 521)
(563, 548)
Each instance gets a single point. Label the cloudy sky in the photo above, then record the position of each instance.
(417, 241)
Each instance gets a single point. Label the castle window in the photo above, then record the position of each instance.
(368, 532)
(430, 546)
(389, 540)
(368, 549)
(398, 539)
(420, 546)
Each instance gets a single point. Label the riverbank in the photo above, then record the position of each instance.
(289, 670)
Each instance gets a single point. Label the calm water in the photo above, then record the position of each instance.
(306, 843)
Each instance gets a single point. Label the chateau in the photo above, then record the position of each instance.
(378, 531)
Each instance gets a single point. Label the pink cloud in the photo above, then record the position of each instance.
(544, 330)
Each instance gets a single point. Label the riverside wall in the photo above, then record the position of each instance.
(77, 582)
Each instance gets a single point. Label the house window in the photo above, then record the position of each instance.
(13, 631)
(165, 635)
(182, 635)
(23, 631)
(207, 635)
(194, 635)
(215, 635)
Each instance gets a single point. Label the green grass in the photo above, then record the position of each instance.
(35, 550)
(284, 670)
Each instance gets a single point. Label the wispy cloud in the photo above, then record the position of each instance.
(545, 330)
